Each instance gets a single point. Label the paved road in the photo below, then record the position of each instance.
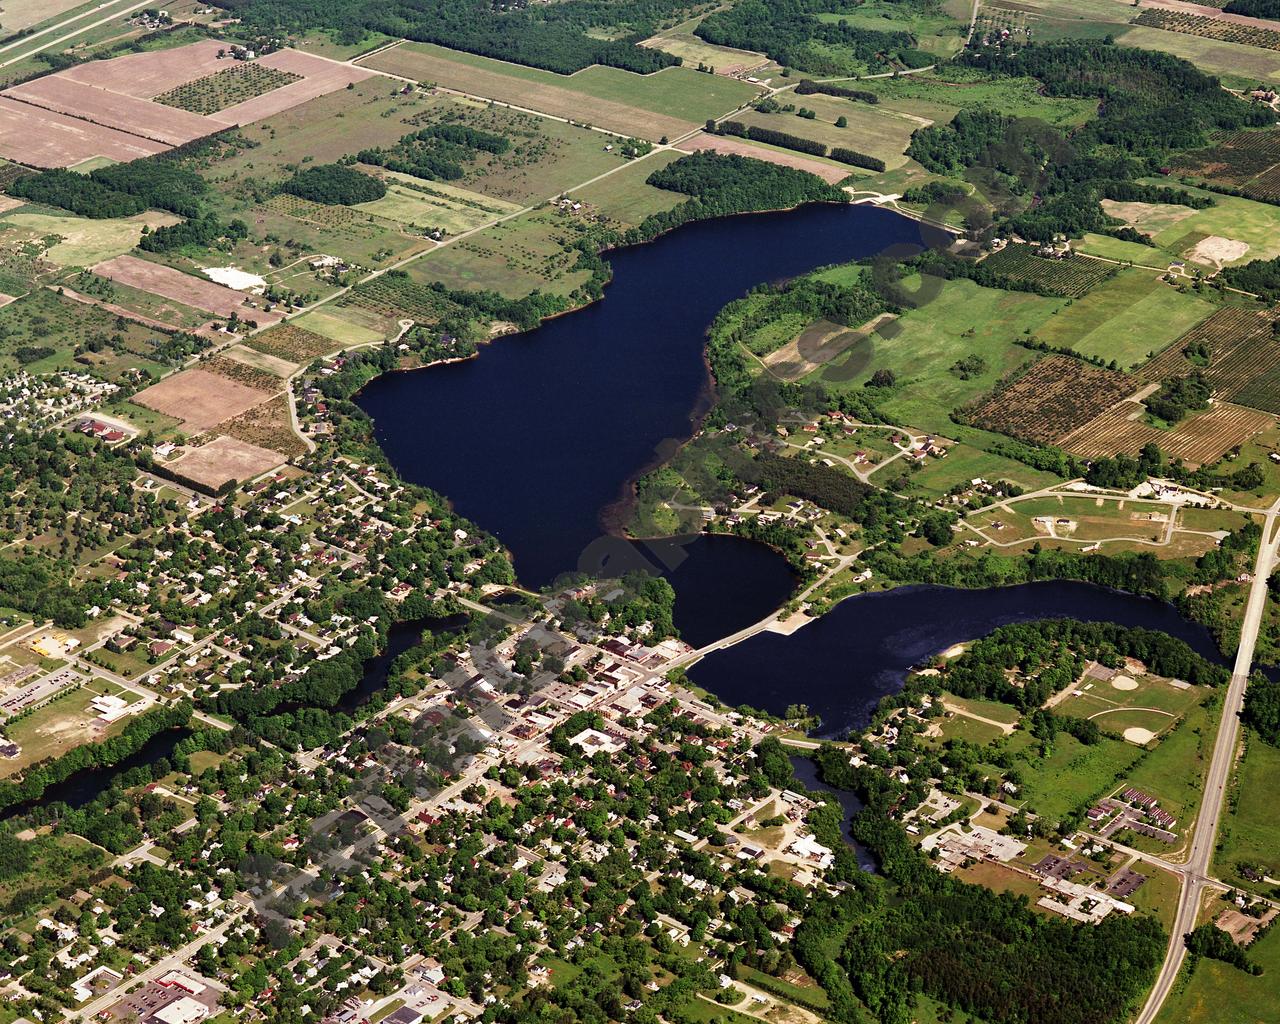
(1196, 871)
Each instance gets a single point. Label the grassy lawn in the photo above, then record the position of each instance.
(1217, 993)
(330, 324)
(1250, 832)
(965, 463)
(939, 95)
(1117, 249)
(1127, 318)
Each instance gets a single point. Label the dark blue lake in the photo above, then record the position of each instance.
(843, 663)
(540, 437)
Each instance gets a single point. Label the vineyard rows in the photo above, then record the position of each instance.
(1069, 276)
(1210, 28)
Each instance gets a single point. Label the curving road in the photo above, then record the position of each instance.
(1195, 873)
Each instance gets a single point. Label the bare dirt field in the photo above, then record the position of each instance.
(145, 75)
(548, 99)
(115, 110)
(199, 398)
(260, 360)
(829, 173)
(174, 284)
(222, 459)
(44, 138)
(105, 107)
(319, 77)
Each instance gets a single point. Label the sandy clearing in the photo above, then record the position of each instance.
(1217, 250)
(44, 138)
(1123, 683)
(199, 398)
(115, 110)
(8, 203)
(719, 144)
(1136, 734)
(144, 75)
(320, 77)
(236, 279)
(185, 288)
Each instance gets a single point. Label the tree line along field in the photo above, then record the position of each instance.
(878, 132)
(224, 89)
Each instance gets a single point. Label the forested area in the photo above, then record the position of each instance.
(1140, 573)
(1049, 655)
(1262, 277)
(119, 190)
(198, 231)
(1151, 105)
(1262, 707)
(1254, 8)
(438, 153)
(789, 32)
(721, 185)
(912, 929)
(37, 585)
(335, 185)
(550, 36)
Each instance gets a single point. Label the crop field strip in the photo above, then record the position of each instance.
(296, 344)
(324, 216)
(1245, 160)
(226, 88)
(1200, 439)
(558, 101)
(1243, 363)
(1056, 397)
(398, 298)
(1219, 29)
(1069, 276)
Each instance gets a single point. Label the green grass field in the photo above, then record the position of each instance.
(1127, 318)
(677, 92)
(329, 323)
(930, 340)
(1217, 993)
(1235, 62)
(1250, 832)
(85, 241)
(938, 96)
(964, 463)
(1072, 773)
(626, 197)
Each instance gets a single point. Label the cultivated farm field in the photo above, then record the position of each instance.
(1070, 276)
(216, 92)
